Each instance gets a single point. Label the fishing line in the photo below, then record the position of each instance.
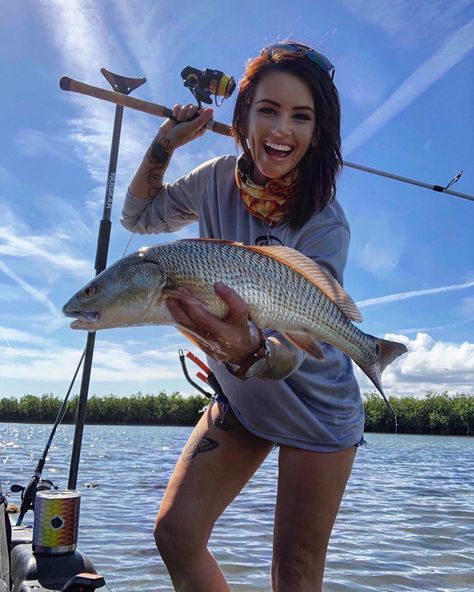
(132, 234)
(29, 492)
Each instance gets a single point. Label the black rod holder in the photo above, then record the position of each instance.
(125, 86)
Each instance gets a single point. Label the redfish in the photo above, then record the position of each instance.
(284, 290)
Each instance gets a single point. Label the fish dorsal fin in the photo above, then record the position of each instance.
(315, 274)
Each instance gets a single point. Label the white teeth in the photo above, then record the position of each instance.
(281, 147)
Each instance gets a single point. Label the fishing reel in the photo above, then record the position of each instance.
(207, 82)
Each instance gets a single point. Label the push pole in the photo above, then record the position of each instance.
(125, 86)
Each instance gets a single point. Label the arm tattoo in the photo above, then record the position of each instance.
(197, 444)
(158, 156)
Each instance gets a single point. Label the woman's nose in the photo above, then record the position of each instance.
(280, 127)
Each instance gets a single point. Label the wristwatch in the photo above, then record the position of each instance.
(252, 364)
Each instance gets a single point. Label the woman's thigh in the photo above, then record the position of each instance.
(214, 466)
(310, 490)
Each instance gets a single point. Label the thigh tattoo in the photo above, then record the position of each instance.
(198, 444)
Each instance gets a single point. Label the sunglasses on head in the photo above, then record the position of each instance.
(318, 58)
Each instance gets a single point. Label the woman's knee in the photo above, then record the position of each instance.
(297, 569)
(173, 537)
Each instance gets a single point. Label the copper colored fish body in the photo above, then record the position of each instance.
(284, 290)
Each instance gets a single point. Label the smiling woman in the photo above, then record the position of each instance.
(287, 122)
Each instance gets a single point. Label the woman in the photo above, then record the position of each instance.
(280, 191)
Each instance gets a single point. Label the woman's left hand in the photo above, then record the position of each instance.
(231, 339)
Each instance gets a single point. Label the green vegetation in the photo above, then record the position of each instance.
(161, 409)
(433, 414)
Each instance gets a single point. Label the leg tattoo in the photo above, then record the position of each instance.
(196, 445)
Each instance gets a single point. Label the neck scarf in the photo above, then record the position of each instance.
(270, 202)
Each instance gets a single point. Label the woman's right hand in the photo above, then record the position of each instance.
(186, 128)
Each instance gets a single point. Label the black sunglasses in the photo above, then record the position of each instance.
(313, 55)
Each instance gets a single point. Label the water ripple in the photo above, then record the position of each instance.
(406, 522)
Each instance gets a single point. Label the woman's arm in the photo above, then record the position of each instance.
(148, 180)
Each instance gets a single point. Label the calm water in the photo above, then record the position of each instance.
(406, 522)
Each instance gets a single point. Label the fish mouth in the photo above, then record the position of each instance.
(84, 319)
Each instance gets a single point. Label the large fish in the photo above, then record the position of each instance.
(284, 290)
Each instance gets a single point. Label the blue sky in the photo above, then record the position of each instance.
(404, 70)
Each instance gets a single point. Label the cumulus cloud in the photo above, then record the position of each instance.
(429, 365)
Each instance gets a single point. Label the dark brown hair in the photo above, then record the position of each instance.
(322, 163)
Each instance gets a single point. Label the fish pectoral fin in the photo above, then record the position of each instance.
(307, 343)
(202, 344)
(171, 293)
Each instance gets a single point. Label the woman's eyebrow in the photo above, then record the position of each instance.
(298, 107)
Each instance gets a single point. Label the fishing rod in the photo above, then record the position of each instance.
(28, 493)
(123, 100)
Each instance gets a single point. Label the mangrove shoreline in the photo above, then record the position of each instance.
(436, 413)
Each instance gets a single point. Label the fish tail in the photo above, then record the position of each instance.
(388, 351)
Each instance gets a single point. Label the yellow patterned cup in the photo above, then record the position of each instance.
(56, 521)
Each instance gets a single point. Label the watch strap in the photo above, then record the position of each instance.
(262, 353)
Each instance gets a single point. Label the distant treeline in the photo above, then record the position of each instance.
(433, 414)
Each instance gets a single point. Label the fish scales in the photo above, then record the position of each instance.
(288, 297)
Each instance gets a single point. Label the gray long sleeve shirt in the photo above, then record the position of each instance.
(318, 405)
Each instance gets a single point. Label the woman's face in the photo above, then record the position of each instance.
(281, 125)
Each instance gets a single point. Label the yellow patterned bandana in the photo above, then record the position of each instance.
(270, 202)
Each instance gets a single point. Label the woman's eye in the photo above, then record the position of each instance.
(302, 116)
(266, 110)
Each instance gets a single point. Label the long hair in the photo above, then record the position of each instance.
(322, 162)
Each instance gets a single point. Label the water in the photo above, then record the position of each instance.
(406, 521)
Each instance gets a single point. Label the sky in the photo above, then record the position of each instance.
(404, 70)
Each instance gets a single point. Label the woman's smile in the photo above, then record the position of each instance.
(281, 125)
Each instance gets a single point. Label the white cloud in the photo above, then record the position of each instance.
(18, 241)
(11, 335)
(31, 142)
(378, 257)
(409, 23)
(453, 50)
(112, 362)
(33, 291)
(429, 365)
(412, 294)
(467, 307)
(436, 327)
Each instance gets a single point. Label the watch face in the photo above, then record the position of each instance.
(255, 368)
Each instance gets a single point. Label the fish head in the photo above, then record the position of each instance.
(128, 293)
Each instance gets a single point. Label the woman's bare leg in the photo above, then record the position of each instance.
(213, 468)
(310, 490)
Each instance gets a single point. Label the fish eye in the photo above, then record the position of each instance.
(88, 291)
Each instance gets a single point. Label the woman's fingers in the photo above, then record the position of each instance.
(189, 124)
(235, 337)
(238, 309)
